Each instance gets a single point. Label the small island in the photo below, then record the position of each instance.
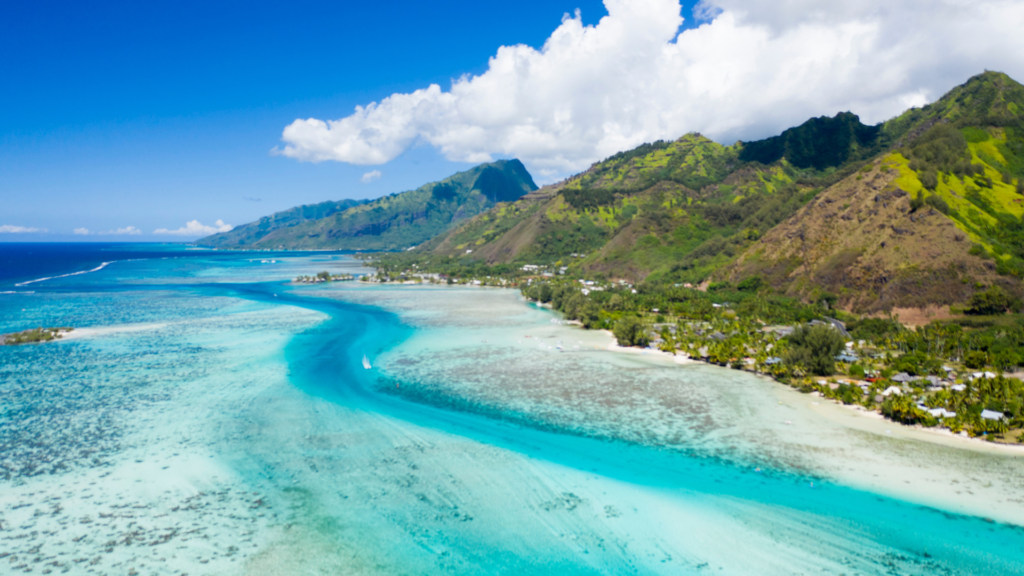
(324, 276)
(34, 336)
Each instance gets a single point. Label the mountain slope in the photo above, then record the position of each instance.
(677, 210)
(927, 223)
(819, 143)
(253, 232)
(399, 220)
(881, 216)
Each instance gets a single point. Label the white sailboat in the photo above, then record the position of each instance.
(366, 362)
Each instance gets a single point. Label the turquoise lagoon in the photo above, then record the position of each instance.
(214, 419)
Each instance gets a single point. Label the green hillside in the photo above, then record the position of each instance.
(928, 223)
(670, 210)
(396, 221)
(248, 234)
(819, 143)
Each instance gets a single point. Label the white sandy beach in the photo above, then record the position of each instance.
(93, 332)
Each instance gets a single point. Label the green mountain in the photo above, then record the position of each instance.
(248, 234)
(947, 175)
(926, 223)
(819, 143)
(676, 210)
(396, 221)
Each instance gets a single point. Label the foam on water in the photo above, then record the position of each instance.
(96, 269)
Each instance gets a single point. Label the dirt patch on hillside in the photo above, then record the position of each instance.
(863, 241)
(914, 317)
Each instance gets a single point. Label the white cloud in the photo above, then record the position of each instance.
(370, 177)
(751, 69)
(8, 229)
(195, 228)
(82, 231)
(130, 231)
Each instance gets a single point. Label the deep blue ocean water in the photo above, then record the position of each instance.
(225, 362)
(22, 262)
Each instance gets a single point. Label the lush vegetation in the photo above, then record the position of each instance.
(861, 367)
(630, 331)
(815, 348)
(677, 211)
(995, 300)
(968, 163)
(34, 335)
(819, 143)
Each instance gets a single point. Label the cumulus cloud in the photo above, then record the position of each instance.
(129, 231)
(370, 177)
(8, 229)
(81, 231)
(196, 228)
(751, 69)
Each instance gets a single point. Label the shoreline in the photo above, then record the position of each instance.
(815, 401)
(614, 347)
(874, 422)
(913, 432)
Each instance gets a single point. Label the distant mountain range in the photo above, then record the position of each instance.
(921, 209)
(396, 221)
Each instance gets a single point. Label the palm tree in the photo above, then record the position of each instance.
(1000, 426)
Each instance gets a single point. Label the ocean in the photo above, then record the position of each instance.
(208, 417)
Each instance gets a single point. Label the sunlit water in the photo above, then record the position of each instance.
(220, 421)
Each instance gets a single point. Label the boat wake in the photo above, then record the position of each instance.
(96, 269)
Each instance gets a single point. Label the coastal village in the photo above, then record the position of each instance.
(942, 375)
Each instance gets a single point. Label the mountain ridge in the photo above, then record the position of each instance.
(927, 223)
(395, 221)
(255, 231)
(693, 210)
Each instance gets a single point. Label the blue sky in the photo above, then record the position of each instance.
(152, 114)
(140, 116)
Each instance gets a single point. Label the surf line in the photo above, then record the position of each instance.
(96, 269)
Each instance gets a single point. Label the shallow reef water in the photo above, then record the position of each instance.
(218, 420)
